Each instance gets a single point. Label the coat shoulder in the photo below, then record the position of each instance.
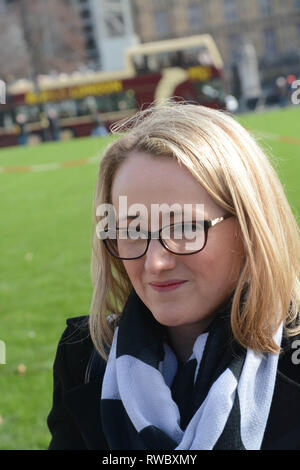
(283, 427)
(77, 359)
(75, 402)
(73, 351)
(79, 323)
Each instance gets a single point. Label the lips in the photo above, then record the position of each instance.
(167, 285)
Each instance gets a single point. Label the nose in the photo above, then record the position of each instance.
(157, 258)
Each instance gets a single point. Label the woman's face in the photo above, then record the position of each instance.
(210, 275)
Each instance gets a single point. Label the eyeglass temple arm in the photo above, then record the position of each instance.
(213, 222)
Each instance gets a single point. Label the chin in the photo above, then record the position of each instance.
(168, 322)
(168, 319)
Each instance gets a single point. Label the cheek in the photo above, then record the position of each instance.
(134, 270)
(218, 261)
(201, 264)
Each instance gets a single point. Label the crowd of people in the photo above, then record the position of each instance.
(50, 127)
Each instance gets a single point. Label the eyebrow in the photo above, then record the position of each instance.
(131, 217)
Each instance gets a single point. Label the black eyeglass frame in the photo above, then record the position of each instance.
(150, 235)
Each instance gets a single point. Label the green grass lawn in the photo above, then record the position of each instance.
(45, 263)
(285, 157)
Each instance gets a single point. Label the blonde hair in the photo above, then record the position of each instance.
(233, 169)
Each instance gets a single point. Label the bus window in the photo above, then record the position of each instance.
(31, 113)
(126, 100)
(176, 59)
(138, 63)
(67, 109)
(48, 106)
(210, 91)
(104, 104)
(87, 106)
(184, 56)
(2, 116)
(116, 102)
(8, 121)
(197, 56)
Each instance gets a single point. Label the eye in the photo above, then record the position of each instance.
(193, 226)
(132, 234)
(190, 226)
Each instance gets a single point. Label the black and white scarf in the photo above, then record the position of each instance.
(219, 399)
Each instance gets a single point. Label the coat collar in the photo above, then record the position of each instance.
(282, 431)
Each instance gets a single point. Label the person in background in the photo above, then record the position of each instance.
(44, 122)
(22, 127)
(98, 127)
(282, 90)
(53, 124)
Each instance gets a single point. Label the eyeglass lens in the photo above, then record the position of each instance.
(181, 238)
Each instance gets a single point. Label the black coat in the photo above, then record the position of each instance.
(75, 420)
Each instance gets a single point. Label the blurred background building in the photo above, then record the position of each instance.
(108, 29)
(90, 31)
(70, 55)
(39, 37)
(271, 26)
(104, 28)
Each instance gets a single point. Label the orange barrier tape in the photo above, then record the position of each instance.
(96, 158)
(48, 166)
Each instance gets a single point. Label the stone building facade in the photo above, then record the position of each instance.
(272, 26)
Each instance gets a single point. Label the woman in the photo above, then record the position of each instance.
(199, 350)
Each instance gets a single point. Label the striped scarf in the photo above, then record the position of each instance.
(218, 399)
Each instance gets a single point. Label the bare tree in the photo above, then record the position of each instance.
(47, 36)
(14, 56)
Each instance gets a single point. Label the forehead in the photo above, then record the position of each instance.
(148, 179)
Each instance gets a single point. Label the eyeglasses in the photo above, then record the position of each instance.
(184, 238)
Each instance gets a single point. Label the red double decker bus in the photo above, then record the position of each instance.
(186, 68)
